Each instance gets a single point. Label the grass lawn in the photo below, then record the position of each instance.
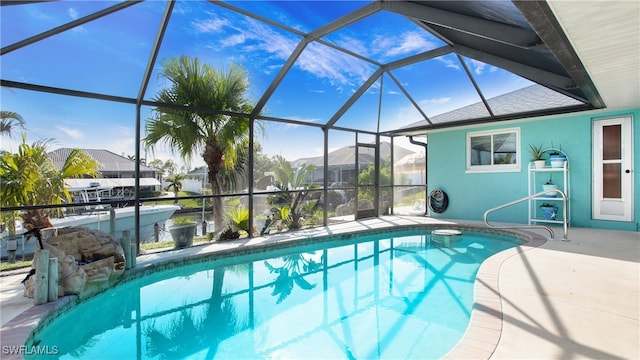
(17, 265)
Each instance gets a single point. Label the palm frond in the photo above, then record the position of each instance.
(10, 120)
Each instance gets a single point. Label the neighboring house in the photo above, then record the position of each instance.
(116, 171)
(196, 181)
(342, 162)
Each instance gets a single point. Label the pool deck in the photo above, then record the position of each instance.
(545, 300)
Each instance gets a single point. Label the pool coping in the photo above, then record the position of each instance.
(483, 333)
(479, 340)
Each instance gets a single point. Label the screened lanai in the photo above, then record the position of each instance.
(350, 87)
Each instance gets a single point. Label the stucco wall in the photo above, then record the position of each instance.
(471, 194)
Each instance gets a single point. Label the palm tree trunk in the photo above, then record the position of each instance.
(217, 205)
(36, 218)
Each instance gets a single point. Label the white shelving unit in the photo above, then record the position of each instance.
(537, 177)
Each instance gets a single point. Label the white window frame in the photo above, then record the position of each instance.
(493, 167)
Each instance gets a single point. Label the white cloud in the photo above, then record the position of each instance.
(435, 101)
(211, 25)
(406, 43)
(10, 143)
(449, 62)
(337, 67)
(72, 133)
(478, 67)
(353, 44)
(251, 36)
(247, 32)
(72, 13)
(234, 40)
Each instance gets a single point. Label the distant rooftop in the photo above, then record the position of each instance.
(109, 161)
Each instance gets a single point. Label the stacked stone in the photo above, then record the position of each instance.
(89, 261)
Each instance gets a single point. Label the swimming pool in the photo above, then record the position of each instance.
(390, 295)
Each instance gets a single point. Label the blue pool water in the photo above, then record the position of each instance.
(389, 296)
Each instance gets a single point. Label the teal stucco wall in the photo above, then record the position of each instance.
(471, 194)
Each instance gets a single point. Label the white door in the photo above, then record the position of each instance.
(612, 169)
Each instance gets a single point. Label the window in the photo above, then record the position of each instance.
(495, 150)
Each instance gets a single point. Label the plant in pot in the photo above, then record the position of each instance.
(549, 185)
(183, 231)
(536, 155)
(557, 157)
(549, 211)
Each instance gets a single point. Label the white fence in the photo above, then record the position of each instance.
(189, 185)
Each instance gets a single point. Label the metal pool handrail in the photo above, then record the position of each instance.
(565, 221)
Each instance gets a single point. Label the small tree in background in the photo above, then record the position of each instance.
(175, 183)
(291, 204)
(30, 177)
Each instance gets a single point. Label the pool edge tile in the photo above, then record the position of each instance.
(472, 345)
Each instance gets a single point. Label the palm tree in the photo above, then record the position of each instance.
(288, 179)
(30, 177)
(175, 183)
(194, 331)
(143, 161)
(221, 139)
(292, 273)
(9, 120)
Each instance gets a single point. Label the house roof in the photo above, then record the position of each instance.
(527, 100)
(109, 161)
(346, 156)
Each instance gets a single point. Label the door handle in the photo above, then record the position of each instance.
(627, 171)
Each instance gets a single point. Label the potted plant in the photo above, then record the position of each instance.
(556, 157)
(183, 231)
(549, 211)
(549, 185)
(536, 155)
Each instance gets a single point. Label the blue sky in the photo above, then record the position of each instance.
(109, 56)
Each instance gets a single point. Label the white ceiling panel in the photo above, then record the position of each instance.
(606, 37)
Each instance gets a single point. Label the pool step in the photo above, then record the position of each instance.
(446, 237)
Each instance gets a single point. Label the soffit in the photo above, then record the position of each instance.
(606, 37)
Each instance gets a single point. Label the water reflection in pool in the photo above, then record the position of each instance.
(377, 296)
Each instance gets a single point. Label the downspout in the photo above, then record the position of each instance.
(426, 187)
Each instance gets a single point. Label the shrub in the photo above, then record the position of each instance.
(239, 219)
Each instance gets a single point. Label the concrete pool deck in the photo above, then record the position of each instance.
(548, 300)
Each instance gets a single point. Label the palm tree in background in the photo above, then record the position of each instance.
(143, 161)
(288, 179)
(221, 139)
(30, 177)
(9, 120)
(175, 183)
